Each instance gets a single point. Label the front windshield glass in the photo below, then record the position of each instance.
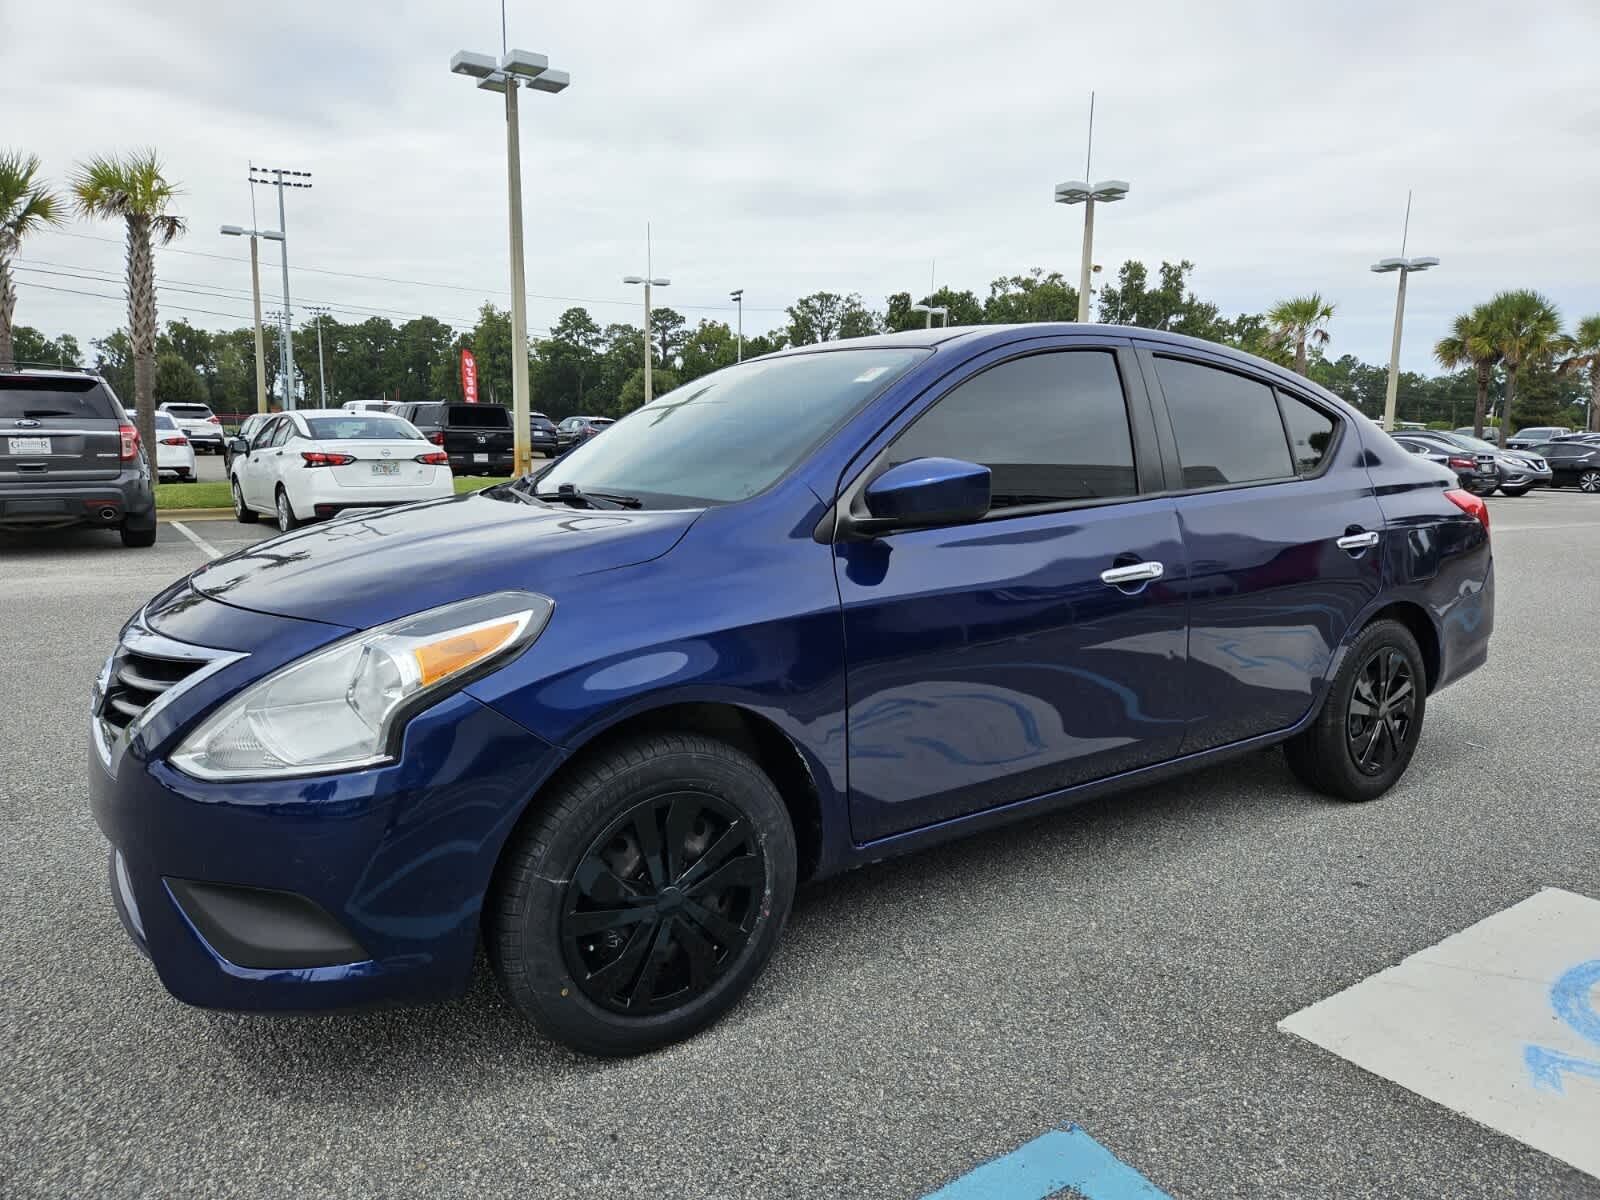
(1469, 442)
(730, 434)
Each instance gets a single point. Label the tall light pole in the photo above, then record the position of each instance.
(272, 235)
(1404, 266)
(649, 282)
(1081, 191)
(930, 309)
(319, 312)
(281, 178)
(515, 69)
(737, 296)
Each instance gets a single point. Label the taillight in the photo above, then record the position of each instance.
(1474, 506)
(437, 438)
(213, 421)
(175, 441)
(437, 459)
(319, 458)
(130, 442)
(1461, 463)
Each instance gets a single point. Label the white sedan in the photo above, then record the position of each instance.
(174, 451)
(315, 462)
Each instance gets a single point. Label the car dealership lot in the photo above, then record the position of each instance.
(1123, 967)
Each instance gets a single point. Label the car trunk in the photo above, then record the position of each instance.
(379, 463)
(58, 429)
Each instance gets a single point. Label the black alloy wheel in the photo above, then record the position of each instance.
(663, 900)
(1381, 713)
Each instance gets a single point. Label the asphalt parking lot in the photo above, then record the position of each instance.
(1122, 966)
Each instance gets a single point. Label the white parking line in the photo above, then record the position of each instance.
(206, 547)
(1500, 1022)
(1499, 529)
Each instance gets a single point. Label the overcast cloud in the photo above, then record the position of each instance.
(831, 145)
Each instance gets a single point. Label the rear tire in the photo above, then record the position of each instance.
(242, 512)
(287, 521)
(1516, 491)
(1363, 739)
(681, 832)
(136, 536)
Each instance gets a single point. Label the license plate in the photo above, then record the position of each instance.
(28, 445)
(480, 458)
(386, 468)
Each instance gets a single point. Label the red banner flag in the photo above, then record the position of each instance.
(469, 377)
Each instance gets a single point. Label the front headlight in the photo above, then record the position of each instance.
(336, 710)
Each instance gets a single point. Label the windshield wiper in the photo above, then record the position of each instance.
(571, 493)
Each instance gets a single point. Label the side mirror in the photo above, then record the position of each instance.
(238, 445)
(922, 493)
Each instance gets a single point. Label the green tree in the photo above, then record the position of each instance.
(710, 346)
(1585, 355)
(568, 362)
(114, 362)
(26, 206)
(134, 191)
(1471, 344)
(1299, 322)
(828, 316)
(631, 397)
(177, 382)
(33, 347)
(490, 343)
(668, 332)
(1526, 329)
(1170, 305)
(1035, 296)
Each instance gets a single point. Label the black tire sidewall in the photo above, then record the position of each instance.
(1346, 779)
(539, 980)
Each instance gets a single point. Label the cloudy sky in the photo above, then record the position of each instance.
(827, 145)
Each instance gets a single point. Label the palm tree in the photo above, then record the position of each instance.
(1525, 328)
(1586, 353)
(1471, 343)
(1301, 320)
(25, 205)
(133, 190)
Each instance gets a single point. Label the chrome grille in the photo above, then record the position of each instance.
(145, 671)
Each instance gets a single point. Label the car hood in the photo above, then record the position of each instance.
(364, 569)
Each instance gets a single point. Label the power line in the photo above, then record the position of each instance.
(422, 283)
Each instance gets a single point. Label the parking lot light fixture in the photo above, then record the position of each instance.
(930, 309)
(1081, 191)
(255, 296)
(281, 178)
(1401, 266)
(649, 282)
(512, 71)
(737, 296)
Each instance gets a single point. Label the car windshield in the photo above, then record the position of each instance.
(188, 410)
(358, 427)
(730, 434)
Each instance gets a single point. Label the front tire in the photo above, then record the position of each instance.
(242, 512)
(1364, 737)
(644, 894)
(1516, 491)
(287, 521)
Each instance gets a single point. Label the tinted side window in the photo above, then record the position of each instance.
(1310, 433)
(264, 435)
(425, 414)
(1227, 426)
(1049, 427)
(281, 434)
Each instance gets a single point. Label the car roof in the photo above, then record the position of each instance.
(335, 412)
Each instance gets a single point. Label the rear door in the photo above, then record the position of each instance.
(254, 470)
(58, 429)
(996, 661)
(477, 429)
(1283, 534)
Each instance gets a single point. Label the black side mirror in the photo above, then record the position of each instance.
(238, 445)
(923, 493)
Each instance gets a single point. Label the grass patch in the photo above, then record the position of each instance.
(173, 496)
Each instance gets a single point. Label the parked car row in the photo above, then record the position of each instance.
(1480, 467)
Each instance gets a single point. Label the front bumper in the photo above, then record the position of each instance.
(391, 863)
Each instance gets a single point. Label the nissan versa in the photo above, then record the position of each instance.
(801, 614)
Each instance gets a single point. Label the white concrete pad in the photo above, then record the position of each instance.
(1500, 1022)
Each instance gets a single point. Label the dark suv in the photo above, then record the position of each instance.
(69, 455)
(542, 434)
(477, 437)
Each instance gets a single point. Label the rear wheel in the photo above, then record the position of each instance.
(1520, 490)
(242, 512)
(286, 518)
(138, 536)
(641, 899)
(1364, 737)
(1589, 480)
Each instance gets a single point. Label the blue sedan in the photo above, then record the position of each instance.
(808, 612)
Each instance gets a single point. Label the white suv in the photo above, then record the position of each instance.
(199, 424)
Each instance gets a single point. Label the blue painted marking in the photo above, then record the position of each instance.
(1051, 1163)
(1569, 996)
(1546, 1065)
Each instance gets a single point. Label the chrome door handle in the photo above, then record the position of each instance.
(1137, 573)
(1357, 541)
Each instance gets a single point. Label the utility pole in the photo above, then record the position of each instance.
(649, 281)
(1081, 191)
(737, 296)
(278, 179)
(320, 311)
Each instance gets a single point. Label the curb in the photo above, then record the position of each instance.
(196, 514)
